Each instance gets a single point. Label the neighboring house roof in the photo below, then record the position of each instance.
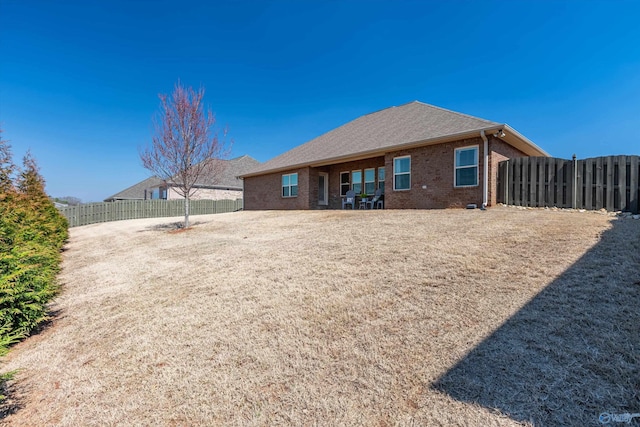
(391, 129)
(230, 173)
(136, 191)
(228, 179)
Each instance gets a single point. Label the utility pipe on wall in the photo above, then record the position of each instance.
(485, 197)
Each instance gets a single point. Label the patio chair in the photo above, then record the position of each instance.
(376, 201)
(350, 199)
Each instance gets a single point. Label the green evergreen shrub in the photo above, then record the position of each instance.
(32, 233)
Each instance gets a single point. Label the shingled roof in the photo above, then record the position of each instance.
(228, 177)
(136, 191)
(394, 128)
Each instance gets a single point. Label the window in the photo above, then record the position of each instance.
(402, 173)
(466, 165)
(158, 193)
(345, 184)
(290, 185)
(381, 178)
(370, 181)
(356, 181)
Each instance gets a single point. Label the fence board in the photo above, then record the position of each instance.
(609, 184)
(517, 181)
(588, 183)
(622, 182)
(502, 182)
(567, 184)
(561, 199)
(524, 195)
(92, 213)
(550, 179)
(604, 182)
(533, 182)
(599, 179)
(634, 183)
(578, 184)
(542, 163)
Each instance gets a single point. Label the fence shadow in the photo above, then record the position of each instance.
(573, 351)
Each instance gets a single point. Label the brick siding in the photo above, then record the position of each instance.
(207, 194)
(265, 191)
(432, 180)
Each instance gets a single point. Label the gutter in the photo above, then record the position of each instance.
(512, 137)
(485, 196)
(375, 152)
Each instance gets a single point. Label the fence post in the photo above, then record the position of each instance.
(506, 184)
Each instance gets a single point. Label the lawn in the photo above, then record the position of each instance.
(376, 318)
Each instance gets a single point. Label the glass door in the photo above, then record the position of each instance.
(323, 188)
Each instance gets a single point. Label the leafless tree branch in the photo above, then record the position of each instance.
(185, 149)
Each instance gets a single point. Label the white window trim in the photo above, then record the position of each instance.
(401, 173)
(342, 183)
(282, 186)
(365, 182)
(361, 183)
(455, 167)
(378, 176)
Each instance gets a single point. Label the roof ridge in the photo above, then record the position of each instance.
(390, 107)
(132, 186)
(454, 112)
(238, 158)
(138, 183)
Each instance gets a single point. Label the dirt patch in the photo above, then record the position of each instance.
(341, 318)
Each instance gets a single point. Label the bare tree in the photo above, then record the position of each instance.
(70, 200)
(185, 148)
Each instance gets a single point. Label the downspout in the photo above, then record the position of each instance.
(485, 196)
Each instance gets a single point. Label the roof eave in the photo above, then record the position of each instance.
(512, 137)
(521, 142)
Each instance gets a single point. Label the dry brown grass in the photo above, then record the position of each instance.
(377, 318)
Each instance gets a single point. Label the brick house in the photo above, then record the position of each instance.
(421, 156)
(224, 185)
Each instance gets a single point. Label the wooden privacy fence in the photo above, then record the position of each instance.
(612, 183)
(92, 213)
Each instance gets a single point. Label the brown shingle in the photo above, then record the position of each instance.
(136, 191)
(228, 177)
(379, 131)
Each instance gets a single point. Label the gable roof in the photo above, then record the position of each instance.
(136, 191)
(394, 128)
(230, 173)
(228, 179)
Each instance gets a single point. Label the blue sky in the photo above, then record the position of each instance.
(79, 80)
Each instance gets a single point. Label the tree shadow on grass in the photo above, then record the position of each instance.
(171, 226)
(14, 392)
(13, 399)
(571, 353)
